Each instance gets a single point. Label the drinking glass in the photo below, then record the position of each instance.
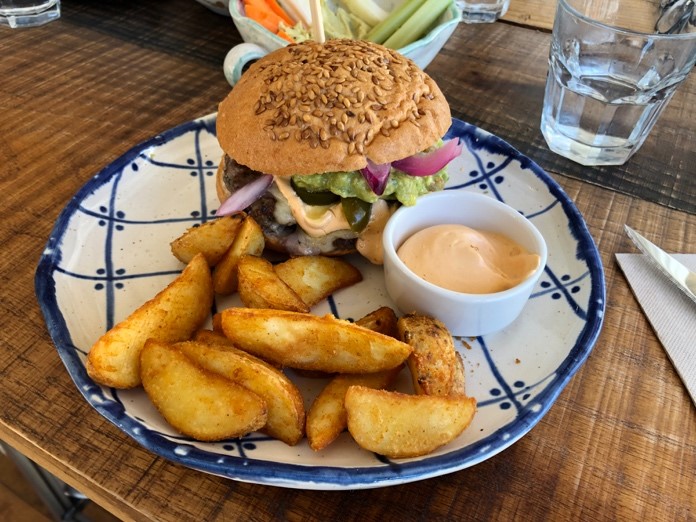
(482, 11)
(610, 76)
(28, 13)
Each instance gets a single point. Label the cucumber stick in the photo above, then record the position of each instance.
(417, 24)
(383, 30)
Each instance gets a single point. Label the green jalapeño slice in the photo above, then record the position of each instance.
(357, 213)
(315, 198)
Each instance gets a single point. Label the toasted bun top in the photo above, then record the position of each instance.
(311, 108)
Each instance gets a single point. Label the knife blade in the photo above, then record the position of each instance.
(675, 271)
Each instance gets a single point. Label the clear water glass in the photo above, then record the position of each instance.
(482, 11)
(610, 76)
(28, 13)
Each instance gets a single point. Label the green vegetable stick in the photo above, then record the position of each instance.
(383, 30)
(417, 24)
(367, 10)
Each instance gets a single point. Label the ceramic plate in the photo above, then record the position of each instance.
(109, 253)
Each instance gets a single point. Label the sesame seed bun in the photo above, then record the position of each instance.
(310, 108)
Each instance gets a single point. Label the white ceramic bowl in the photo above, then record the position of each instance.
(259, 41)
(469, 315)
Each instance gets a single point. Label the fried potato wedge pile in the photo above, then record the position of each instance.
(395, 424)
(398, 425)
(248, 240)
(284, 403)
(227, 382)
(232, 246)
(327, 417)
(309, 342)
(172, 315)
(198, 402)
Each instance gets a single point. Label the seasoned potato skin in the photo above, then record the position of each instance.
(433, 360)
(399, 425)
(260, 287)
(174, 314)
(309, 342)
(212, 239)
(314, 278)
(284, 403)
(197, 402)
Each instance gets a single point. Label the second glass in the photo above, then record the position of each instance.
(609, 79)
(482, 11)
(28, 13)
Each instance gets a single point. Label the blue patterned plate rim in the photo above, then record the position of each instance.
(322, 477)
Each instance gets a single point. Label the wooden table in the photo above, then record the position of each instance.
(619, 443)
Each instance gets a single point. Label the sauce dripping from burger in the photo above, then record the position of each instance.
(320, 220)
(315, 220)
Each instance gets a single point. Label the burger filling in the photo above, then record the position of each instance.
(341, 211)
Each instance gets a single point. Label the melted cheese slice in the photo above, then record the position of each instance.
(315, 220)
(321, 220)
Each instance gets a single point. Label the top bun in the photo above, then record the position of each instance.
(310, 108)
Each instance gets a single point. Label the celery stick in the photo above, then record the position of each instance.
(367, 10)
(417, 24)
(383, 30)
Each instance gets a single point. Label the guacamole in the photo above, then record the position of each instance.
(400, 186)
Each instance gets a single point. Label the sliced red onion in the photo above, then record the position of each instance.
(427, 164)
(245, 196)
(376, 176)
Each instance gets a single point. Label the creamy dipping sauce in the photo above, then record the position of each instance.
(459, 258)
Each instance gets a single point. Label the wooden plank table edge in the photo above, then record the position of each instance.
(67, 474)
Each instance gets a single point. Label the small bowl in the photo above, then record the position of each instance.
(469, 315)
(259, 41)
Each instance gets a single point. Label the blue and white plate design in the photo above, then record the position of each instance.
(109, 253)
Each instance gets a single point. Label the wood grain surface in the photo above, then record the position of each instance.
(635, 14)
(618, 444)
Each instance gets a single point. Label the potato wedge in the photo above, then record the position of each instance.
(284, 403)
(458, 377)
(195, 401)
(260, 287)
(212, 239)
(327, 417)
(309, 342)
(217, 323)
(433, 359)
(382, 320)
(315, 278)
(249, 240)
(211, 337)
(398, 425)
(218, 338)
(172, 315)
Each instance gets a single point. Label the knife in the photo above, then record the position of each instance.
(681, 276)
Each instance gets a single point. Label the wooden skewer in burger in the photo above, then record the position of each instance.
(324, 141)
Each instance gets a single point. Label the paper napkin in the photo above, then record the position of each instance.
(671, 313)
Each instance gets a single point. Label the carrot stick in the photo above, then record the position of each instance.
(275, 7)
(268, 19)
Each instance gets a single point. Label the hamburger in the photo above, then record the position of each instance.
(322, 142)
